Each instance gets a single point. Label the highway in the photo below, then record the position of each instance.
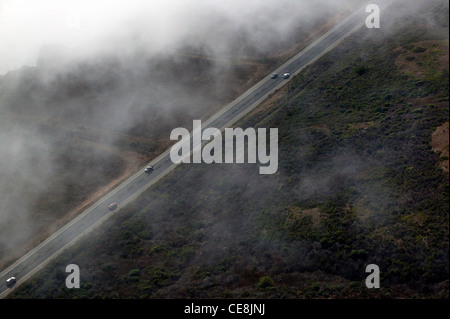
(135, 185)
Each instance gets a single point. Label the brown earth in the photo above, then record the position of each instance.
(439, 142)
(422, 59)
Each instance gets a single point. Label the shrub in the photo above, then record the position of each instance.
(266, 282)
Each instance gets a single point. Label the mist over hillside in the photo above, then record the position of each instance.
(67, 30)
(91, 90)
(359, 180)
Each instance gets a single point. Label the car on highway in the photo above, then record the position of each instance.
(112, 206)
(274, 76)
(286, 75)
(10, 281)
(149, 169)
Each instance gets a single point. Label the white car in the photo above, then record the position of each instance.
(10, 281)
(286, 75)
(149, 169)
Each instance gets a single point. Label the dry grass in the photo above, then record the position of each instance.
(422, 57)
(439, 142)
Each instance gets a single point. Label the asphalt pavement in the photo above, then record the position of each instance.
(135, 185)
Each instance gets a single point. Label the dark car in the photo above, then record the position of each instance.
(286, 75)
(149, 169)
(274, 76)
(10, 281)
(112, 206)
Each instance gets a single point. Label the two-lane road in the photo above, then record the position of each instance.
(140, 181)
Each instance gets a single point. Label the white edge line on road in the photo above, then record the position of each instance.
(165, 153)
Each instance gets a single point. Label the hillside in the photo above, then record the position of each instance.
(72, 132)
(360, 182)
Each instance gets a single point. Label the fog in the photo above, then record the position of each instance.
(101, 70)
(85, 28)
(82, 81)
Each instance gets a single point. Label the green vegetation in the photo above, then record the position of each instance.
(358, 183)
